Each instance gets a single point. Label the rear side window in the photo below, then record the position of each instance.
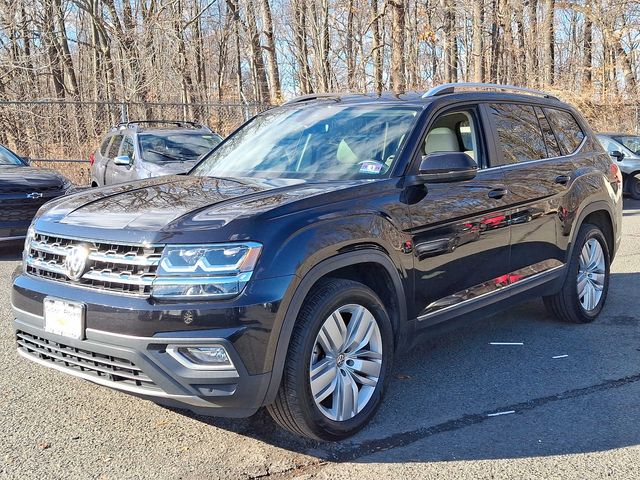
(105, 146)
(567, 130)
(553, 149)
(519, 132)
(114, 147)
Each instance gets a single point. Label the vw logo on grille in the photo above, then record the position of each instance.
(76, 261)
(34, 195)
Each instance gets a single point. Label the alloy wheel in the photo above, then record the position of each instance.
(591, 274)
(346, 362)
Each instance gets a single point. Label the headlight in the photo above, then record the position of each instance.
(205, 271)
(31, 233)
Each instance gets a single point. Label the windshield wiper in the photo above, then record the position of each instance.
(166, 155)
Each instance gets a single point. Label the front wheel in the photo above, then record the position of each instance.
(585, 288)
(339, 360)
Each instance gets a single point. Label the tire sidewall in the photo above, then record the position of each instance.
(634, 187)
(589, 232)
(323, 426)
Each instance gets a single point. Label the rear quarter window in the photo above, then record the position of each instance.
(566, 128)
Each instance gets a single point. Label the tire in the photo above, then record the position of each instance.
(633, 187)
(568, 305)
(295, 407)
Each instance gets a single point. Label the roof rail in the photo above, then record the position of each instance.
(313, 96)
(179, 123)
(453, 87)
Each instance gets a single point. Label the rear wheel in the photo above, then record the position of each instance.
(633, 186)
(338, 362)
(587, 282)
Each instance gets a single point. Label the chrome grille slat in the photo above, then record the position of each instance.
(72, 358)
(118, 267)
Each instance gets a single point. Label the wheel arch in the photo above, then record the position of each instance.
(597, 213)
(350, 265)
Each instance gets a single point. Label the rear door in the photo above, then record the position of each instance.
(537, 177)
(459, 232)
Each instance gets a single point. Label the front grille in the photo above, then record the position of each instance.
(129, 269)
(106, 367)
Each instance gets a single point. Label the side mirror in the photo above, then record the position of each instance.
(122, 160)
(26, 160)
(617, 155)
(445, 167)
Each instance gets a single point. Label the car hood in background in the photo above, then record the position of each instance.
(21, 179)
(167, 205)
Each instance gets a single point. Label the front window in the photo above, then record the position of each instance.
(176, 147)
(9, 158)
(320, 142)
(632, 142)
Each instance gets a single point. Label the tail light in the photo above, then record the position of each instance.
(615, 170)
(92, 158)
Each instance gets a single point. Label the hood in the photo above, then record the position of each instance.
(165, 205)
(23, 179)
(168, 168)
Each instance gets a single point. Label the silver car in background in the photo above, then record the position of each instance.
(625, 150)
(149, 148)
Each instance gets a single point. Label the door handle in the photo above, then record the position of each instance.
(563, 179)
(497, 193)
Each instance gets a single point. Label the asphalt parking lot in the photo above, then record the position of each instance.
(577, 416)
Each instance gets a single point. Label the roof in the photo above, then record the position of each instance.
(455, 91)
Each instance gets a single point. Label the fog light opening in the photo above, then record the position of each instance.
(202, 357)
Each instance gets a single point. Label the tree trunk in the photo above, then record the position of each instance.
(548, 44)
(259, 71)
(270, 47)
(351, 60)
(397, 46)
(478, 60)
(586, 55)
(377, 48)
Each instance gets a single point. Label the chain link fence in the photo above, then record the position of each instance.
(62, 135)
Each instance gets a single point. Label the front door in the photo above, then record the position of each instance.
(460, 230)
(124, 173)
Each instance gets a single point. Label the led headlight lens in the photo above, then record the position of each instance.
(205, 271)
(31, 233)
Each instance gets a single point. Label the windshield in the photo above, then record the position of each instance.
(7, 157)
(176, 147)
(631, 142)
(322, 141)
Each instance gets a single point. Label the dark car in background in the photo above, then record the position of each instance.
(624, 148)
(23, 190)
(322, 238)
(150, 148)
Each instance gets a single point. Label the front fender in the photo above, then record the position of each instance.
(300, 288)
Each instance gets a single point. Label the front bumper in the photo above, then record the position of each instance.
(141, 366)
(128, 341)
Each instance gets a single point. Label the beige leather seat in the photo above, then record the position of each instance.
(441, 139)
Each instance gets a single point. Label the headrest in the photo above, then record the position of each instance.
(441, 139)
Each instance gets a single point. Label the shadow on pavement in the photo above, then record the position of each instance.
(438, 405)
(11, 252)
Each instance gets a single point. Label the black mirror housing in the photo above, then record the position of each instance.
(446, 167)
(617, 155)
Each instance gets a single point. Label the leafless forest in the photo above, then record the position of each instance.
(221, 60)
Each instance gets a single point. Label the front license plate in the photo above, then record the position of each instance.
(64, 318)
